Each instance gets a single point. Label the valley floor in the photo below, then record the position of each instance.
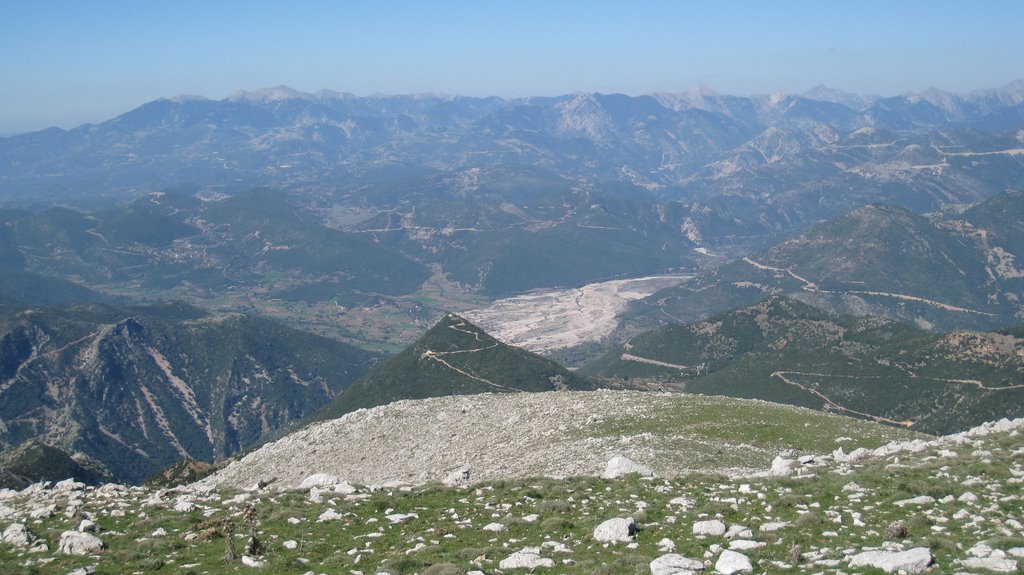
(555, 319)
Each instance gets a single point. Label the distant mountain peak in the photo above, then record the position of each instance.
(822, 93)
(778, 97)
(265, 95)
(583, 115)
(182, 98)
(702, 90)
(699, 96)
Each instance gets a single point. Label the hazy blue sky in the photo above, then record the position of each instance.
(65, 63)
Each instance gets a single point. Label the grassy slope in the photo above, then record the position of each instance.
(822, 517)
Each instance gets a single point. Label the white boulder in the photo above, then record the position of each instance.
(666, 545)
(997, 564)
(709, 528)
(730, 562)
(528, 558)
(319, 480)
(919, 500)
(329, 515)
(88, 526)
(78, 543)
(782, 466)
(68, 485)
(617, 530)
(675, 564)
(619, 466)
(17, 535)
(914, 560)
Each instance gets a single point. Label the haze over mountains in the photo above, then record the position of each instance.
(366, 219)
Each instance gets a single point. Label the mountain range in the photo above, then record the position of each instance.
(949, 272)
(770, 162)
(367, 219)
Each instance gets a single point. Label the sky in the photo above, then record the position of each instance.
(64, 63)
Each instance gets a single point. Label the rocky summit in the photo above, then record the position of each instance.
(559, 434)
(949, 504)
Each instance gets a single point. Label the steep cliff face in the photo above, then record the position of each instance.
(137, 391)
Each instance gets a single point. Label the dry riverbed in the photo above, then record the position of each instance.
(557, 319)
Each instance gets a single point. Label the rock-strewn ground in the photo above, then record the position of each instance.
(502, 436)
(947, 505)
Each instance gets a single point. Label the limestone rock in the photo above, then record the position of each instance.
(739, 531)
(17, 535)
(998, 564)
(682, 501)
(319, 480)
(400, 517)
(675, 564)
(711, 528)
(495, 527)
(555, 547)
(617, 530)
(528, 558)
(730, 562)
(77, 543)
(458, 477)
(744, 544)
(782, 466)
(920, 500)
(329, 515)
(68, 485)
(619, 466)
(315, 495)
(914, 560)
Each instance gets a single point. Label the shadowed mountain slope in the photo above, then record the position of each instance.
(139, 388)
